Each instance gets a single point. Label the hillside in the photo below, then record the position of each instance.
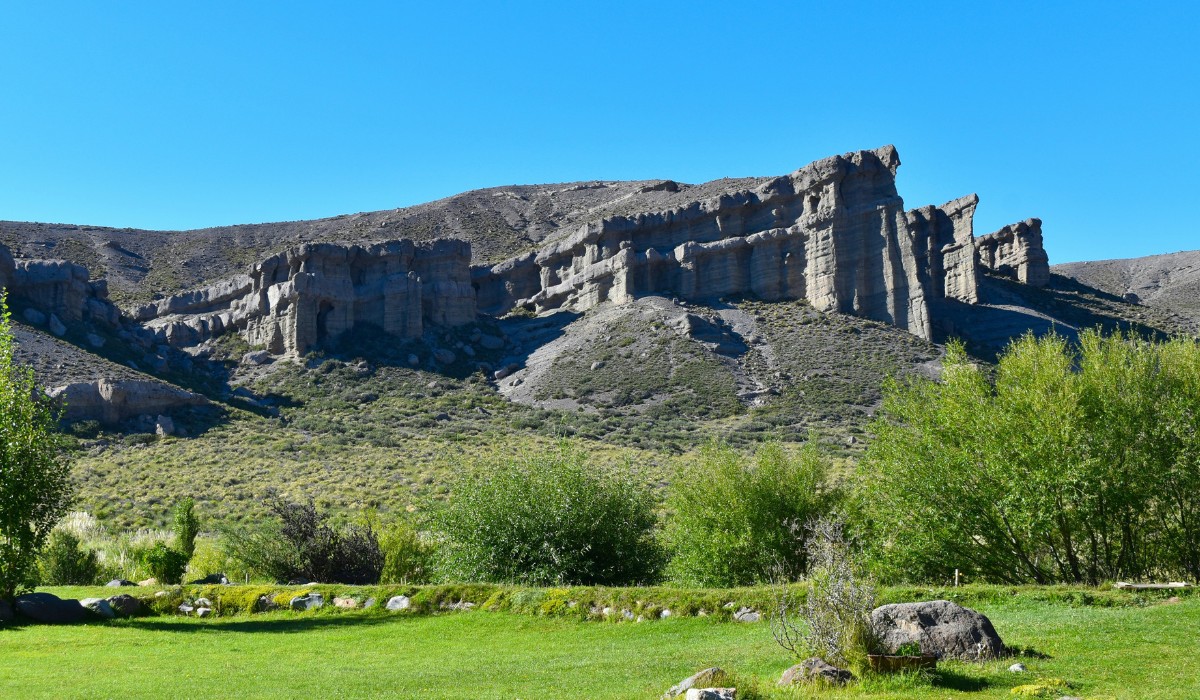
(1169, 282)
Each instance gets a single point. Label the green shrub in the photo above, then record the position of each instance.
(186, 526)
(302, 544)
(734, 520)
(550, 519)
(1079, 463)
(65, 563)
(165, 563)
(408, 557)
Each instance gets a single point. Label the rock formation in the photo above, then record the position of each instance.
(1016, 251)
(57, 289)
(112, 402)
(297, 299)
(834, 232)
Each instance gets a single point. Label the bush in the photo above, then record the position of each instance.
(407, 556)
(833, 621)
(734, 521)
(35, 487)
(164, 563)
(187, 526)
(549, 519)
(1078, 464)
(65, 563)
(302, 545)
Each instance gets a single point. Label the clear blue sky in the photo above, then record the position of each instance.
(183, 115)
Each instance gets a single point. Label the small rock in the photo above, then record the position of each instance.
(95, 341)
(490, 342)
(369, 603)
(345, 603)
(1017, 668)
(203, 612)
(56, 326)
(125, 605)
(148, 582)
(164, 426)
(400, 602)
(597, 365)
(627, 614)
(468, 351)
(747, 615)
(704, 679)
(34, 317)
(256, 358)
(814, 669)
(119, 582)
(308, 601)
(265, 603)
(443, 416)
(665, 613)
(99, 606)
(186, 609)
(203, 603)
(444, 357)
(711, 694)
(413, 360)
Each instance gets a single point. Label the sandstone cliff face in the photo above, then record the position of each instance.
(1016, 251)
(114, 401)
(57, 288)
(297, 299)
(834, 233)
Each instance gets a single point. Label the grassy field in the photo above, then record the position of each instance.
(1103, 652)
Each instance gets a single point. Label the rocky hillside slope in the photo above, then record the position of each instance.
(1170, 282)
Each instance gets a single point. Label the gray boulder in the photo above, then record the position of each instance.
(56, 326)
(119, 582)
(50, 609)
(34, 317)
(308, 601)
(700, 679)
(944, 629)
(747, 615)
(125, 605)
(815, 670)
(398, 603)
(99, 607)
(711, 694)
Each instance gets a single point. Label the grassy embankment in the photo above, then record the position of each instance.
(1103, 651)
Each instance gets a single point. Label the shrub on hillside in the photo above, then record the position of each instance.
(735, 519)
(64, 562)
(302, 544)
(408, 556)
(164, 563)
(550, 519)
(1079, 463)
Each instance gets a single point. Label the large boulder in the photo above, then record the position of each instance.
(116, 400)
(944, 629)
(309, 601)
(50, 609)
(125, 605)
(815, 670)
(99, 607)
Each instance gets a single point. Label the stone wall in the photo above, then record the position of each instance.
(1016, 251)
(293, 301)
(834, 233)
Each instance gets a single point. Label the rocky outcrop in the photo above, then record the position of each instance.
(1016, 251)
(295, 300)
(834, 233)
(57, 289)
(112, 402)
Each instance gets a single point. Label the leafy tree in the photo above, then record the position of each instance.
(737, 521)
(64, 562)
(550, 519)
(1079, 463)
(187, 526)
(34, 480)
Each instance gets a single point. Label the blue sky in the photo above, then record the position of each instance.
(183, 115)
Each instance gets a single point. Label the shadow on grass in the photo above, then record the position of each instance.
(289, 625)
(960, 682)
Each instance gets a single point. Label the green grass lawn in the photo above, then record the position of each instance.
(1128, 652)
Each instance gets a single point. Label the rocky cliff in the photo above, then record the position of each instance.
(55, 292)
(834, 232)
(1016, 251)
(297, 299)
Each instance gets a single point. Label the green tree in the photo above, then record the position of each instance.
(1080, 463)
(34, 480)
(187, 526)
(737, 520)
(549, 519)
